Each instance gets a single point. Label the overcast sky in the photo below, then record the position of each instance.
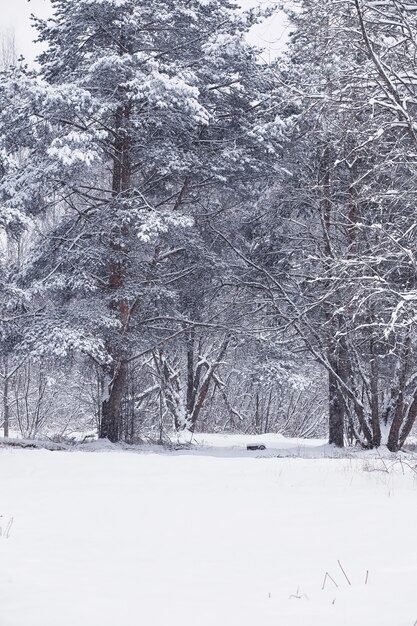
(15, 15)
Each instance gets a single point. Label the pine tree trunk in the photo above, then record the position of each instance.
(112, 404)
(110, 427)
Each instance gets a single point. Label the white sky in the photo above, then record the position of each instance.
(271, 34)
(15, 15)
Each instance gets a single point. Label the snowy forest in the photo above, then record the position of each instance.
(196, 239)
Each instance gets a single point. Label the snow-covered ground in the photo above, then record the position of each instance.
(210, 536)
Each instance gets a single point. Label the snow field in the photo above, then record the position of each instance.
(122, 539)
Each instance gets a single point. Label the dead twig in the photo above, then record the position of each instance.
(344, 573)
(8, 528)
(326, 576)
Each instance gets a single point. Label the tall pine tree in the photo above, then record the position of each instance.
(143, 113)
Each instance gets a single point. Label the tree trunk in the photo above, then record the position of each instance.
(190, 371)
(112, 404)
(394, 433)
(409, 422)
(336, 413)
(336, 404)
(257, 414)
(376, 425)
(201, 394)
(6, 406)
(393, 443)
(110, 427)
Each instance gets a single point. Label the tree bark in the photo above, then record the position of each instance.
(190, 371)
(6, 406)
(409, 422)
(336, 413)
(375, 420)
(393, 443)
(110, 427)
(201, 391)
(121, 183)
